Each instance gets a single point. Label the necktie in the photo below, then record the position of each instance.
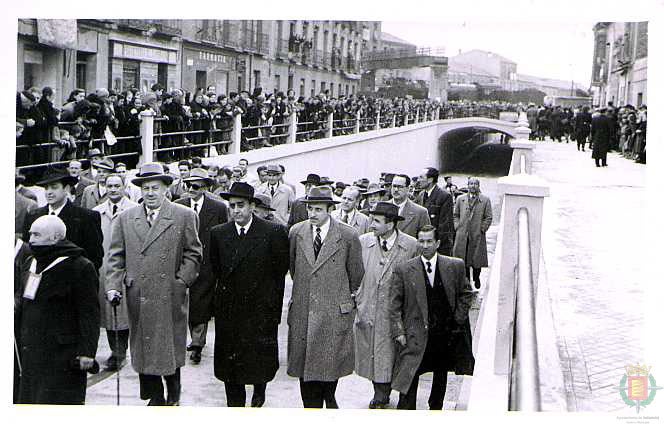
(52, 212)
(115, 209)
(344, 218)
(318, 243)
(429, 267)
(272, 190)
(242, 233)
(425, 197)
(196, 207)
(385, 245)
(150, 218)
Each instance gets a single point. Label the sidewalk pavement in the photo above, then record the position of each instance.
(594, 222)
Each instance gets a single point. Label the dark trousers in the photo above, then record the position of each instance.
(476, 273)
(153, 388)
(382, 391)
(236, 394)
(438, 388)
(581, 143)
(119, 349)
(198, 334)
(315, 392)
(603, 159)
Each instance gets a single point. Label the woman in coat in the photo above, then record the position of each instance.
(472, 219)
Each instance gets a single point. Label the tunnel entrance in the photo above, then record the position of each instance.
(475, 151)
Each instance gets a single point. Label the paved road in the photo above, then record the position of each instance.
(200, 388)
(594, 222)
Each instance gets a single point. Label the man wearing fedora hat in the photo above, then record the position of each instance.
(299, 208)
(383, 249)
(154, 257)
(326, 267)
(249, 259)
(439, 204)
(74, 168)
(83, 225)
(95, 194)
(416, 216)
(211, 212)
(19, 179)
(94, 156)
(264, 207)
(348, 213)
(282, 196)
(372, 195)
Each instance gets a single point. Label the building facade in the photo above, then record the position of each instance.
(480, 64)
(620, 63)
(224, 55)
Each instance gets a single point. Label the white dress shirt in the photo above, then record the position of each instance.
(323, 230)
(57, 211)
(199, 204)
(431, 275)
(246, 227)
(155, 213)
(390, 240)
(400, 206)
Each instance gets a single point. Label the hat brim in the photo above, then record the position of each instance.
(137, 181)
(228, 195)
(305, 182)
(66, 180)
(262, 205)
(321, 200)
(369, 193)
(388, 215)
(207, 180)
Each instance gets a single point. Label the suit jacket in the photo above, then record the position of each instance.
(22, 206)
(201, 293)
(83, 182)
(360, 221)
(322, 310)
(91, 197)
(83, 229)
(415, 216)
(250, 278)
(26, 192)
(440, 208)
(153, 266)
(409, 316)
(281, 201)
(298, 212)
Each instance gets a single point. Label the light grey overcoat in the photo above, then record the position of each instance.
(471, 224)
(153, 267)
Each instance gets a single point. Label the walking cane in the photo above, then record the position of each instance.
(117, 373)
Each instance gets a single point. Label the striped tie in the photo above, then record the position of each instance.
(318, 243)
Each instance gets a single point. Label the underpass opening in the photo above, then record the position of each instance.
(475, 150)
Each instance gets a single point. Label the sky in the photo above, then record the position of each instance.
(551, 50)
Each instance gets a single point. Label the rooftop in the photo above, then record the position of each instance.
(387, 37)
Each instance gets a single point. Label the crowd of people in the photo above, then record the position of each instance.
(152, 258)
(608, 128)
(110, 121)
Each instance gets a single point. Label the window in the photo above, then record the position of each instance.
(331, 89)
(339, 91)
(201, 79)
(639, 99)
(81, 71)
(322, 86)
(277, 82)
(290, 82)
(302, 87)
(162, 75)
(313, 88)
(257, 78)
(347, 91)
(130, 73)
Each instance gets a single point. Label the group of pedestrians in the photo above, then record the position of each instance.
(380, 277)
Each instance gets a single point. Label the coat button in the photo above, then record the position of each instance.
(163, 275)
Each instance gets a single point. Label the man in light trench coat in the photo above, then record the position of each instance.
(383, 249)
(472, 219)
(326, 267)
(154, 257)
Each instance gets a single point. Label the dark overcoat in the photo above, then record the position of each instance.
(61, 323)
(415, 217)
(600, 135)
(298, 212)
(409, 316)
(83, 229)
(201, 293)
(250, 277)
(439, 204)
(321, 310)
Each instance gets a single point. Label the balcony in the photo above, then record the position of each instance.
(327, 60)
(230, 35)
(208, 35)
(282, 49)
(350, 64)
(317, 58)
(170, 27)
(167, 27)
(138, 24)
(254, 42)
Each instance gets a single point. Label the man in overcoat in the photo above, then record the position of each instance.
(348, 213)
(429, 302)
(95, 194)
(281, 195)
(472, 219)
(600, 137)
(439, 203)
(382, 250)
(154, 257)
(415, 216)
(299, 208)
(56, 317)
(250, 260)
(109, 210)
(326, 267)
(211, 212)
(83, 225)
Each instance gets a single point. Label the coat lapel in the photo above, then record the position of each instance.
(446, 272)
(395, 253)
(330, 244)
(417, 277)
(408, 214)
(306, 241)
(243, 246)
(163, 222)
(205, 214)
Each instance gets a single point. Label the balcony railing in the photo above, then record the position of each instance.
(208, 36)
(318, 58)
(168, 27)
(282, 48)
(254, 42)
(327, 60)
(230, 35)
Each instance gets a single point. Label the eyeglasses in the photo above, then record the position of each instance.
(195, 186)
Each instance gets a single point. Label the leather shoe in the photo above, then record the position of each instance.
(113, 364)
(257, 400)
(477, 285)
(195, 356)
(379, 403)
(159, 401)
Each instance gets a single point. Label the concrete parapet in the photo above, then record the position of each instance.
(147, 137)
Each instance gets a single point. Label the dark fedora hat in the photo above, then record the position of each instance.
(106, 163)
(373, 189)
(151, 171)
(388, 210)
(326, 181)
(199, 174)
(311, 179)
(320, 195)
(240, 189)
(53, 175)
(264, 201)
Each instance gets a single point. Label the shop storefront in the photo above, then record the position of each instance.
(140, 67)
(202, 68)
